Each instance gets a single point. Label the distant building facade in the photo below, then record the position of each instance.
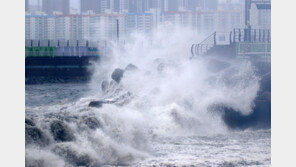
(51, 6)
(138, 22)
(260, 17)
(27, 5)
(40, 27)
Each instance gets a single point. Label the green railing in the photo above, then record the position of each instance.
(251, 49)
(40, 51)
(60, 51)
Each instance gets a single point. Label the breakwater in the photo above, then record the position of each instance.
(44, 69)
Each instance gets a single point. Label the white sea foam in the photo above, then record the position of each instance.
(168, 95)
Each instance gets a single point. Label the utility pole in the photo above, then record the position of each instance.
(247, 12)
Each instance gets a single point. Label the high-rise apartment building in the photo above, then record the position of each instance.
(208, 4)
(27, 5)
(171, 5)
(41, 27)
(87, 5)
(51, 6)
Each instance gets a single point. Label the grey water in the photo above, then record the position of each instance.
(234, 148)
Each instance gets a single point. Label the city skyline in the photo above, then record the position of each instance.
(75, 4)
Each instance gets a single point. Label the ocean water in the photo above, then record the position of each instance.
(227, 149)
(159, 108)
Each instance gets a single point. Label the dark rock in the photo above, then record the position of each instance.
(29, 122)
(104, 86)
(117, 75)
(92, 123)
(260, 117)
(34, 163)
(97, 104)
(72, 156)
(131, 67)
(61, 132)
(34, 135)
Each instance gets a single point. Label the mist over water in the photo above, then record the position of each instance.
(164, 102)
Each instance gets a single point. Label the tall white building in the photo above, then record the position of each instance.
(201, 22)
(229, 19)
(138, 22)
(260, 18)
(40, 27)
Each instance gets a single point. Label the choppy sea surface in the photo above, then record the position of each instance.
(228, 149)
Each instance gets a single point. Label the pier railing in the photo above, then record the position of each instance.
(61, 48)
(251, 35)
(217, 38)
(247, 38)
(60, 43)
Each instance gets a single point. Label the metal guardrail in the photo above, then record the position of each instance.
(60, 43)
(217, 38)
(250, 48)
(251, 35)
(61, 51)
(205, 45)
(246, 36)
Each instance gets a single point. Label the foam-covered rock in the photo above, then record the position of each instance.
(117, 74)
(72, 156)
(92, 122)
(29, 122)
(130, 67)
(61, 132)
(34, 135)
(97, 104)
(104, 86)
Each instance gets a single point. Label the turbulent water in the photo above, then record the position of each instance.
(158, 108)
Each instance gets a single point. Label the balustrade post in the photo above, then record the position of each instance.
(215, 38)
(234, 35)
(268, 35)
(239, 35)
(230, 37)
(254, 35)
(263, 35)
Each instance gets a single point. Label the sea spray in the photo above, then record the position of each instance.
(168, 94)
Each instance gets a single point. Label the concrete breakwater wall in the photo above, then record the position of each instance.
(44, 69)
